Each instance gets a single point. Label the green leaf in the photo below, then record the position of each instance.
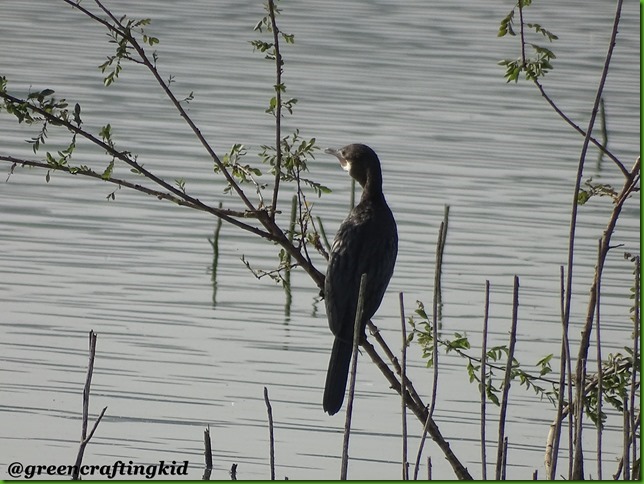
(107, 174)
(583, 196)
(106, 132)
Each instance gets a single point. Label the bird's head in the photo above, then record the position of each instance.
(359, 160)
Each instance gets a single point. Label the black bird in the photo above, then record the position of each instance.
(366, 242)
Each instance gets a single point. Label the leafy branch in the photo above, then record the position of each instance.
(422, 331)
(534, 70)
(538, 67)
(534, 67)
(272, 52)
(130, 39)
(288, 157)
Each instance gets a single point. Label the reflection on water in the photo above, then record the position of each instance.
(214, 243)
(419, 83)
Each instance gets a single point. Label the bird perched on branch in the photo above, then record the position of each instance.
(366, 242)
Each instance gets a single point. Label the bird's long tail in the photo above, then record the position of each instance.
(336, 376)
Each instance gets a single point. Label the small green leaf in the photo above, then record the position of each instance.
(107, 174)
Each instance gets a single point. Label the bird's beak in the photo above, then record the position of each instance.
(338, 154)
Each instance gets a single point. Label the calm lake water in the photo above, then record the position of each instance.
(417, 81)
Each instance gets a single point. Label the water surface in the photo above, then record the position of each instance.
(417, 81)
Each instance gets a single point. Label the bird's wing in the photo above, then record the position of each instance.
(358, 248)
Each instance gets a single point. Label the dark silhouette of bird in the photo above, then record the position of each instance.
(366, 242)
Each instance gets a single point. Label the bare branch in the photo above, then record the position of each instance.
(501, 451)
(278, 106)
(271, 441)
(357, 328)
(85, 437)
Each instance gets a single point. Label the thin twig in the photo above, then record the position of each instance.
(508, 378)
(440, 245)
(504, 464)
(325, 240)
(214, 243)
(88, 382)
(521, 33)
(636, 354)
(551, 440)
(436, 315)
(375, 332)
(634, 437)
(626, 439)
(278, 106)
(604, 132)
(207, 443)
(287, 260)
(271, 438)
(85, 437)
(403, 378)
(600, 378)
(565, 369)
(620, 466)
(483, 379)
(438, 271)
(207, 447)
(357, 329)
(421, 445)
(571, 123)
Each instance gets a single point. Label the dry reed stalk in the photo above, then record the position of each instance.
(436, 314)
(565, 375)
(599, 370)
(636, 351)
(207, 454)
(403, 379)
(352, 378)
(436, 304)
(85, 437)
(504, 464)
(507, 379)
(271, 435)
(486, 313)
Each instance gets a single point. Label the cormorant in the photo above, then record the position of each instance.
(366, 242)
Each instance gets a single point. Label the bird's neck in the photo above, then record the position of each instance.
(372, 189)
